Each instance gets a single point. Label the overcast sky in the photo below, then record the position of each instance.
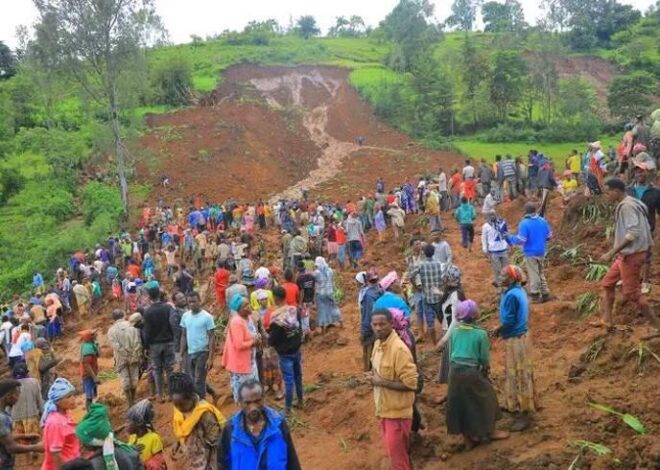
(206, 17)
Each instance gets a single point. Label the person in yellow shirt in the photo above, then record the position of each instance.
(139, 424)
(573, 164)
(569, 185)
(394, 378)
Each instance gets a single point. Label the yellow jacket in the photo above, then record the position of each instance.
(392, 360)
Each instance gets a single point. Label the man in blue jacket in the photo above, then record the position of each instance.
(257, 436)
(533, 234)
(367, 299)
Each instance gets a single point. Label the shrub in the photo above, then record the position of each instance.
(173, 81)
(42, 198)
(98, 200)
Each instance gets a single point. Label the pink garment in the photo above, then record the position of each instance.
(396, 437)
(60, 436)
(237, 355)
(389, 279)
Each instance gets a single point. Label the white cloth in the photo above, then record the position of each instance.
(492, 240)
(262, 273)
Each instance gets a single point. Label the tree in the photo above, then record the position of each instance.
(474, 70)
(591, 23)
(173, 79)
(434, 107)
(11, 182)
(306, 27)
(96, 42)
(463, 14)
(348, 27)
(7, 62)
(630, 95)
(576, 97)
(409, 29)
(503, 17)
(507, 81)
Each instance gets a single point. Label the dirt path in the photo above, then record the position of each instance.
(286, 91)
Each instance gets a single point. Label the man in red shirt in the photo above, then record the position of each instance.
(455, 187)
(291, 288)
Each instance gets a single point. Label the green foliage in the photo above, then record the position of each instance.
(507, 79)
(434, 107)
(99, 199)
(172, 79)
(596, 272)
(587, 304)
(7, 62)
(11, 182)
(407, 27)
(631, 94)
(463, 14)
(352, 27)
(44, 198)
(503, 17)
(306, 27)
(632, 421)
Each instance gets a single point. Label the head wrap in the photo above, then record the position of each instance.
(135, 318)
(452, 276)
(60, 389)
(95, 430)
(236, 302)
(400, 325)
(361, 277)
(261, 282)
(320, 262)
(389, 279)
(152, 285)
(261, 294)
(467, 310)
(141, 414)
(286, 317)
(86, 335)
(42, 343)
(513, 272)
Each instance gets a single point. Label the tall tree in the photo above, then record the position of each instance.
(306, 27)
(463, 14)
(629, 95)
(434, 107)
(7, 62)
(503, 17)
(409, 29)
(507, 81)
(95, 42)
(474, 70)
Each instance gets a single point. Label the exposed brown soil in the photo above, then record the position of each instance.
(338, 429)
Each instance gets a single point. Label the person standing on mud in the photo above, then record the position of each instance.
(494, 244)
(197, 340)
(126, 345)
(159, 339)
(632, 241)
(533, 235)
(394, 378)
(519, 388)
(355, 237)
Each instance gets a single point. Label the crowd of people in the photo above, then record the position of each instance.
(268, 303)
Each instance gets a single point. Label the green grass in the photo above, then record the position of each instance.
(210, 58)
(152, 109)
(558, 151)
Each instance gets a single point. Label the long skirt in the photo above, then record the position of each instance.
(443, 375)
(471, 403)
(270, 368)
(327, 312)
(235, 380)
(519, 391)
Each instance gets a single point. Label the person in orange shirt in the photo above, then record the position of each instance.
(291, 288)
(455, 187)
(470, 189)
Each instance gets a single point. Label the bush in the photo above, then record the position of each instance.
(504, 133)
(173, 81)
(42, 198)
(98, 200)
(11, 182)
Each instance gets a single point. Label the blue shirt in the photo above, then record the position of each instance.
(37, 280)
(514, 312)
(533, 233)
(391, 300)
(6, 428)
(465, 214)
(197, 326)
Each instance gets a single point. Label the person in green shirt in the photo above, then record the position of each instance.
(472, 407)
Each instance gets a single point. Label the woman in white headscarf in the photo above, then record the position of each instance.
(327, 311)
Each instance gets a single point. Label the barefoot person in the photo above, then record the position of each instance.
(632, 241)
(394, 378)
(471, 401)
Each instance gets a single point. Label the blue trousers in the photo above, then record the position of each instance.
(291, 366)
